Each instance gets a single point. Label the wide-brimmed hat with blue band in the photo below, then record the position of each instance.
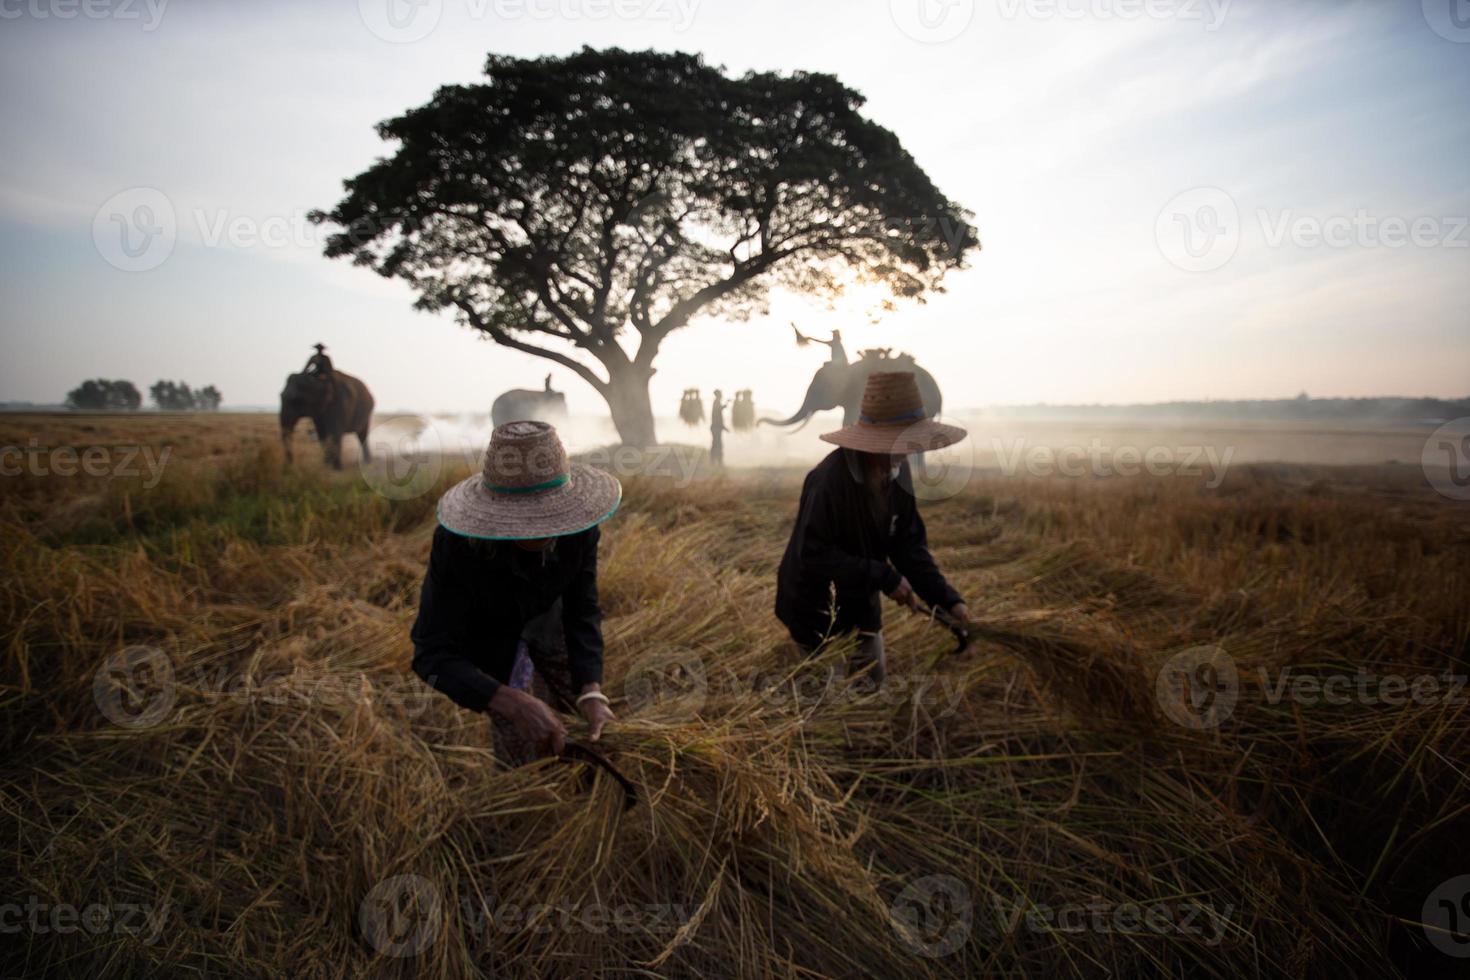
(893, 420)
(529, 490)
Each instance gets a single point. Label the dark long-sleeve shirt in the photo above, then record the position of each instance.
(479, 598)
(847, 541)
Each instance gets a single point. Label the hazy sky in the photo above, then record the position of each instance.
(1177, 200)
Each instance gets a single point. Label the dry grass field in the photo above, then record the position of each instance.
(1207, 733)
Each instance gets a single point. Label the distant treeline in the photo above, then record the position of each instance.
(102, 395)
(1300, 409)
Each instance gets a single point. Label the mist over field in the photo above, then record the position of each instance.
(1005, 442)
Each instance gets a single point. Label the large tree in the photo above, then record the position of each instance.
(583, 208)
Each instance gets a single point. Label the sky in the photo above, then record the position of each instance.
(1178, 199)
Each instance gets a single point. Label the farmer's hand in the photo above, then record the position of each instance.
(904, 595)
(960, 613)
(596, 711)
(533, 718)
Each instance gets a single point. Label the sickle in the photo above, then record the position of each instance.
(578, 752)
(961, 633)
(573, 751)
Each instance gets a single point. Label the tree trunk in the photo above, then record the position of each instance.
(632, 411)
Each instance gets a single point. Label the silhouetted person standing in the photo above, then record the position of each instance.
(717, 430)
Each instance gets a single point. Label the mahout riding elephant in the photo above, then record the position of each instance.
(527, 404)
(839, 384)
(337, 403)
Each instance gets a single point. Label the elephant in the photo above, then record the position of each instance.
(336, 404)
(840, 385)
(526, 404)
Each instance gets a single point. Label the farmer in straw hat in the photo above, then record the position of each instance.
(858, 529)
(508, 617)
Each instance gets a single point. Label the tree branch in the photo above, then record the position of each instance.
(504, 339)
(687, 307)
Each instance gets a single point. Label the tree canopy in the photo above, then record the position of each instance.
(100, 394)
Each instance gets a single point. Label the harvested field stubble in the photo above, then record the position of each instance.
(301, 806)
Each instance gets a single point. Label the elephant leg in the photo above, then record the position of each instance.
(287, 429)
(362, 442)
(331, 449)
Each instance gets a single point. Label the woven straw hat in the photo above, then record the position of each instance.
(528, 490)
(893, 420)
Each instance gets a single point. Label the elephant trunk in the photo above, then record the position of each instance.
(809, 406)
(766, 420)
(822, 393)
(803, 415)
